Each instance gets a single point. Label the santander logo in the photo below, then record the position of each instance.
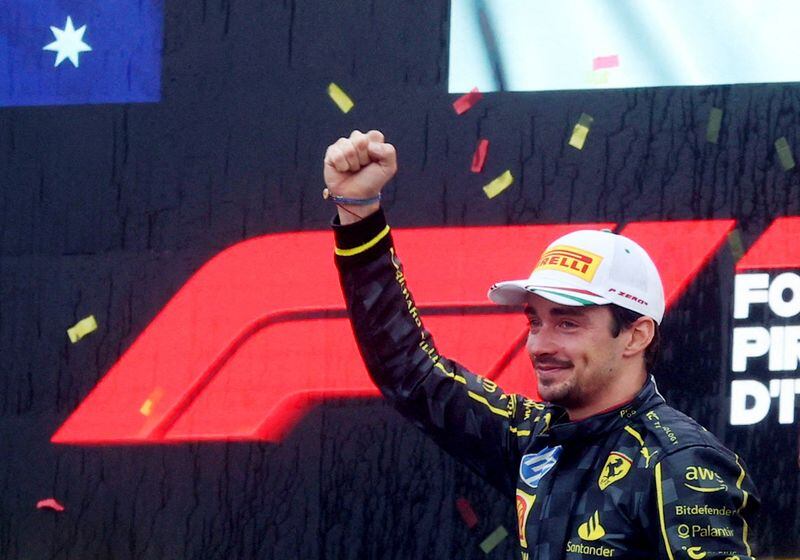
(258, 335)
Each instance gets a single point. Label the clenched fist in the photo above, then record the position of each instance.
(359, 167)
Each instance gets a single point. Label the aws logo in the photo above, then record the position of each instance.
(703, 480)
(592, 529)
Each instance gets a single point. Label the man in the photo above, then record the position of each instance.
(602, 468)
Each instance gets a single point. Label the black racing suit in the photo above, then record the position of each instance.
(640, 481)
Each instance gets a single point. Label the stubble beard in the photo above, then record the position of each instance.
(561, 393)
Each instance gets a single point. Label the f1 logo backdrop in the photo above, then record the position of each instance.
(259, 335)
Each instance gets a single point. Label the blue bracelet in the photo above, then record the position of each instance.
(326, 194)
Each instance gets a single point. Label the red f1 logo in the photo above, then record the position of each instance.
(258, 335)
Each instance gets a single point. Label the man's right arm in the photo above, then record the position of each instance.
(466, 414)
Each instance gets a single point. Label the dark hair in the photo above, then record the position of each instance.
(622, 319)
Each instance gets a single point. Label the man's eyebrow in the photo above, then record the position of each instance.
(566, 311)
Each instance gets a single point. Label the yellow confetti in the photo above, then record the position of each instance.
(784, 153)
(340, 97)
(82, 328)
(735, 243)
(498, 185)
(152, 400)
(580, 131)
(491, 542)
(597, 77)
(714, 124)
(146, 408)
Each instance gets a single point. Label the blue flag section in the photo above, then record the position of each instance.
(57, 52)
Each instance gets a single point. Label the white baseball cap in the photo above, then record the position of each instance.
(591, 267)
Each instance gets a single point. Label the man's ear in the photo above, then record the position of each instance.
(639, 335)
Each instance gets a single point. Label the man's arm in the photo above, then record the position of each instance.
(466, 414)
(704, 502)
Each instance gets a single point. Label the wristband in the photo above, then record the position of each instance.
(326, 194)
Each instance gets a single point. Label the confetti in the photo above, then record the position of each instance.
(490, 542)
(152, 400)
(580, 131)
(49, 503)
(735, 244)
(339, 97)
(466, 101)
(784, 153)
(82, 328)
(611, 61)
(598, 77)
(714, 122)
(479, 157)
(500, 184)
(467, 513)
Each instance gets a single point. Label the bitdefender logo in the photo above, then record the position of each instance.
(766, 332)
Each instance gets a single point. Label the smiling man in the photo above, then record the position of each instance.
(602, 467)
(591, 339)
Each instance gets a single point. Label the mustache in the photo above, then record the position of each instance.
(549, 361)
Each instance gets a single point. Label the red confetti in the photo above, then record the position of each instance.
(466, 101)
(467, 513)
(479, 157)
(611, 61)
(49, 503)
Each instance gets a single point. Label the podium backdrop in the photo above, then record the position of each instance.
(220, 409)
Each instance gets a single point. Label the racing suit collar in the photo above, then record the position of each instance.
(562, 430)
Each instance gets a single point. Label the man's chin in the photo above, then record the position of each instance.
(556, 393)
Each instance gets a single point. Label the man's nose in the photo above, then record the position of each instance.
(541, 343)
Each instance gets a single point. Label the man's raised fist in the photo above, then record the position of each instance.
(359, 166)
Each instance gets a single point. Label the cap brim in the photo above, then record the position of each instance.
(516, 292)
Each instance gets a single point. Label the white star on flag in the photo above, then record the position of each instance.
(68, 44)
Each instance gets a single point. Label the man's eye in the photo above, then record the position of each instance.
(568, 324)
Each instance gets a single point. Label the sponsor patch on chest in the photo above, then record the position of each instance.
(616, 468)
(534, 466)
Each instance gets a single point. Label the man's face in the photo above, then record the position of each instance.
(572, 351)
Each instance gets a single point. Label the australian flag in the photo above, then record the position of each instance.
(63, 52)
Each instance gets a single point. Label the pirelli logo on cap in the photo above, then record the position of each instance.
(571, 260)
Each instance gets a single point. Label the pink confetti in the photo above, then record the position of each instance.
(466, 101)
(479, 157)
(49, 503)
(467, 513)
(611, 61)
